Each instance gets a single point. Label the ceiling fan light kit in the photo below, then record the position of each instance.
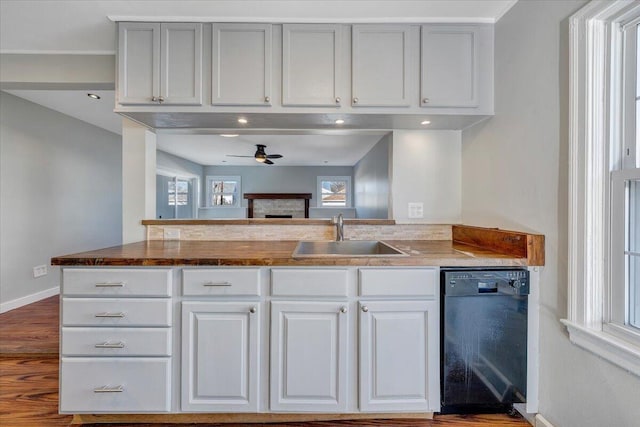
(260, 155)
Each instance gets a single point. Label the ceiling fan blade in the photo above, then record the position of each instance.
(233, 155)
(274, 156)
(268, 162)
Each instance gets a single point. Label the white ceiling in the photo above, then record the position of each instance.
(296, 149)
(76, 103)
(71, 26)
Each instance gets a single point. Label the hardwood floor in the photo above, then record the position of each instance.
(29, 380)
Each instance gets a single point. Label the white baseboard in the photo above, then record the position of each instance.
(19, 302)
(542, 421)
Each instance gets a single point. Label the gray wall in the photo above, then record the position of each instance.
(279, 179)
(515, 176)
(60, 192)
(371, 181)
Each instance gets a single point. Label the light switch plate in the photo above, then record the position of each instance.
(171, 234)
(416, 210)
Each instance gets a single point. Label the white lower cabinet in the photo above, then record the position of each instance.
(309, 356)
(398, 356)
(116, 384)
(220, 342)
(120, 354)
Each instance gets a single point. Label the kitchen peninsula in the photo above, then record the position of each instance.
(227, 330)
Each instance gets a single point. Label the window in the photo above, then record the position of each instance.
(223, 191)
(179, 187)
(604, 178)
(334, 191)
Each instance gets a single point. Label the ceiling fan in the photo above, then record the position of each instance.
(261, 156)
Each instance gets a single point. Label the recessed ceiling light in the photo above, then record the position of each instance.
(229, 135)
(243, 121)
(93, 96)
(425, 122)
(339, 121)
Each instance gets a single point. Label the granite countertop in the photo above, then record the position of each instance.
(279, 253)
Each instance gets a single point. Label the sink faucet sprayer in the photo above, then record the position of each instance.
(339, 223)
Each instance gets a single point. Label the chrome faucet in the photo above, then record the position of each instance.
(339, 223)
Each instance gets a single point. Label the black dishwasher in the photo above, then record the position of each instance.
(483, 341)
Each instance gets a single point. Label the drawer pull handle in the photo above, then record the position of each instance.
(110, 285)
(217, 284)
(365, 308)
(107, 389)
(343, 309)
(110, 315)
(110, 345)
(252, 310)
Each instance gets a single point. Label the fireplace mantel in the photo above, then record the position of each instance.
(275, 196)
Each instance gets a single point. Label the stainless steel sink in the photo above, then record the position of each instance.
(347, 248)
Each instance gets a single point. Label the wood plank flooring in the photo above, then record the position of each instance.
(29, 380)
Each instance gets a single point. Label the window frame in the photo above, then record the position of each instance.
(210, 192)
(349, 200)
(597, 130)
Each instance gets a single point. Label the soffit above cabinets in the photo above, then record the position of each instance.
(269, 121)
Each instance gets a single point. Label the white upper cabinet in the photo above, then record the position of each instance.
(312, 69)
(160, 63)
(181, 64)
(380, 66)
(450, 66)
(241, 62)
(138, 63)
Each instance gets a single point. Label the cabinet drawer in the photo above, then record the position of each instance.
(309, 282)
(96, 282)
(223, 281)
(116, 312)
(421, 282)
(99, 384)
(116, 341)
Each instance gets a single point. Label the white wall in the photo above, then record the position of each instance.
(371, 181)
(60, 192)
(138, 178)
(515, 176)
(426, 169)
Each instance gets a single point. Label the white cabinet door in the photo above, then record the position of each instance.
(450, 66)
(241, 58)
(220, 342)
(181, 64)
(159, 63)
(138, 62)
(308, 356)
(312, 65)
(399, 353)
(380, 66)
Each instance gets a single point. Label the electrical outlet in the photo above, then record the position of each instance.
(416, 210)
(39, 270)
(171, 234)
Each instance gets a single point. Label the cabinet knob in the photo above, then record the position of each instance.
(160, 99)
(253, 310)
(365, 308)
(343, 309)
(267, 99)
(425, 100)
(338, 100)
(355, 100)
(154, 99)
